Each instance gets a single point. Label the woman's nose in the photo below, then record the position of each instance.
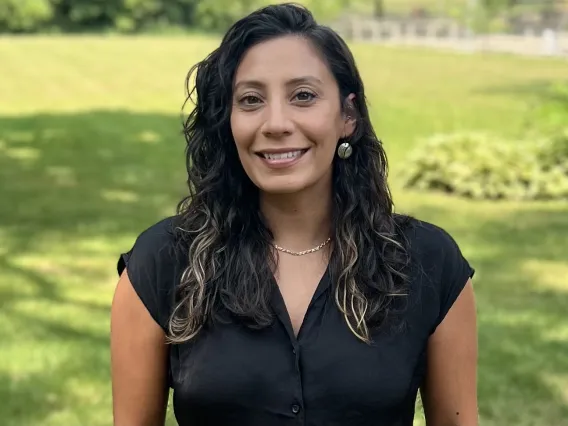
(277, 121)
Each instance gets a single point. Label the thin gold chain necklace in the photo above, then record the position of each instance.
(301, 253)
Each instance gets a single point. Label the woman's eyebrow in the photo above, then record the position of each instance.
(294, 81)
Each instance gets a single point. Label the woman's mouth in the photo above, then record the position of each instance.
(282, 158)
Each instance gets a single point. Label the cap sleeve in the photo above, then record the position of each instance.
(445, 271)
(153, 265)
(455, 273)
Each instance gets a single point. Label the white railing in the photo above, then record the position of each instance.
(444, 33)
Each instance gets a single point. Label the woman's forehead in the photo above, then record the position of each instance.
(285, 59)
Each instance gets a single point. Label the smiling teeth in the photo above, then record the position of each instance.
(282, 155)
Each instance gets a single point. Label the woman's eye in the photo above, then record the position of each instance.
(305, 96)
(250, 100)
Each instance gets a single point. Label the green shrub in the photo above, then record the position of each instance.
(131, 16)
(554, 162)
(481, 166)
(24, 15)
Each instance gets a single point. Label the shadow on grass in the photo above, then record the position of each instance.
(31, 398)
(75, 186)
(87, 178)
(543, 89)
(42, 391)
(522, 310)
(547, 103)
(42, 287)
(89, 174)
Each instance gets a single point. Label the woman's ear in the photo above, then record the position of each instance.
(349, 116)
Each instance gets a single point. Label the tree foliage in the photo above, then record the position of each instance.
(137, 15)
(24, 15)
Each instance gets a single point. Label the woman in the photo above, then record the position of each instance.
(286, 291)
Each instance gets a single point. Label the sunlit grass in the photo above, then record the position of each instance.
(91, 153)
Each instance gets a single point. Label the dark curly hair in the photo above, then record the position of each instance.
(231, 257)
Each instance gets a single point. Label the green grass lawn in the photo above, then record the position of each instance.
(91, 153)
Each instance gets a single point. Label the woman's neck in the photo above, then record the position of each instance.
(298, 221)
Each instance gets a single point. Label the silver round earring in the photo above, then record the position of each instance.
(344, 150)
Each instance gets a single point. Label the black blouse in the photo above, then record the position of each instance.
(232, 375)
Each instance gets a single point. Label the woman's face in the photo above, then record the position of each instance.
(286, 116)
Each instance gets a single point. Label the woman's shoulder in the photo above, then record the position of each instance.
(425, 239)
(154, 263)
(441, 270)
(162, 231)
(157, 245)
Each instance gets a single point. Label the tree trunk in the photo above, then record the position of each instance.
(378, 8)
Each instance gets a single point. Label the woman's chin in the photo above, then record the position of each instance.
(282, 188)
(293, 183)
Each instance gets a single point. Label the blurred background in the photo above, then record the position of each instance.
(469, 96)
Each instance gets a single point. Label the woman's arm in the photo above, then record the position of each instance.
(138, 361)
(449, 394)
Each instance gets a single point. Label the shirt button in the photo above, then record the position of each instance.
(295, 408)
